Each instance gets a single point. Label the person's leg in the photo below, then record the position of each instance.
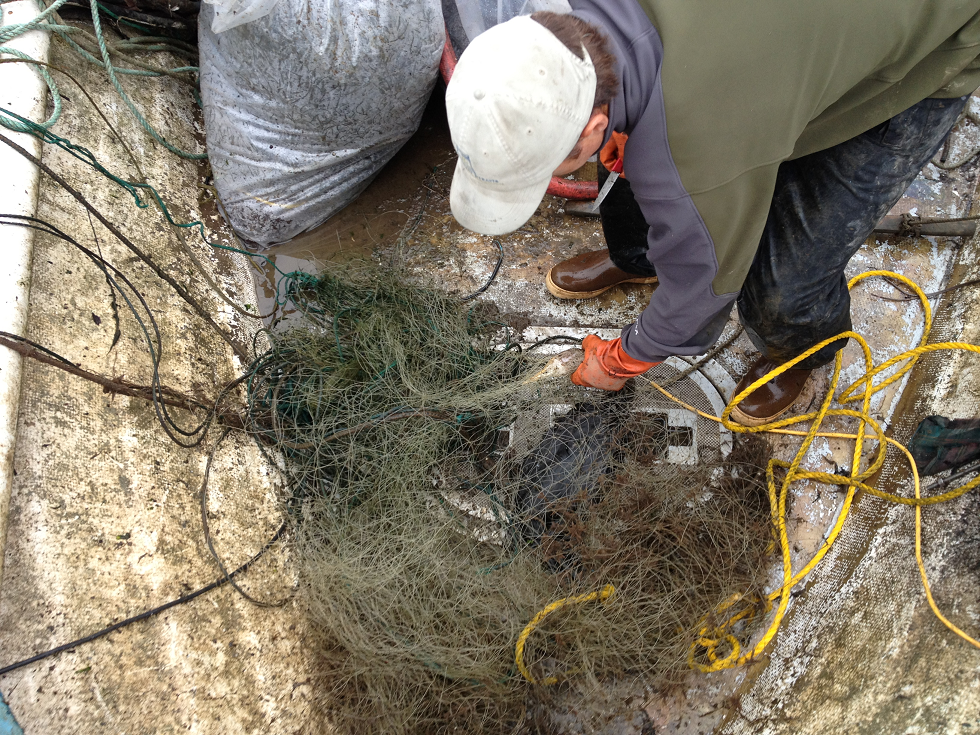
(624, 227)
(625, 260)
(824, 207)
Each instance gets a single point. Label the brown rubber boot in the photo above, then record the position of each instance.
(588, 275)
(770, 400)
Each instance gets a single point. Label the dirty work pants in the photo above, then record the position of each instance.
(824, 207)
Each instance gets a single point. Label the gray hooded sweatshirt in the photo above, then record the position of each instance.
(716, 94)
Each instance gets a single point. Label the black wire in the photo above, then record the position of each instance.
(154, 342)
(152, 334)
(77, 152)
(207, 532)
(493, 276)
(567, 338)
(147, 614)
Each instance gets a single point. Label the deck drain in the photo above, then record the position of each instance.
(692, 437)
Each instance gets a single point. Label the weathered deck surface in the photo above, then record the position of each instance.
(105, 515)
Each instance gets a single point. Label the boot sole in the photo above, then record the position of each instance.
(745, 420)
(560, 293)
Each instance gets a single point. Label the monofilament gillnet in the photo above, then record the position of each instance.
(445, 489)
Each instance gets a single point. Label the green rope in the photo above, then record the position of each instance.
(8, 33)
(64, 31)
(18, 29)
(20, 127)
(41, 23)
(97, 23)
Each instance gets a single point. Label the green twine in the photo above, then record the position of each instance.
(18, 29)
(97, 23)
(40, 23)
(64, 31)
(21, 127)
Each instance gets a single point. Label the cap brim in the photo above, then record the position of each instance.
(486, 209)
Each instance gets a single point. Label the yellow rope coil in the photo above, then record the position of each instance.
(710, 641)
(602, 595)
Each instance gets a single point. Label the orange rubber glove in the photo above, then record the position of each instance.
(613, 151)
(606, 365)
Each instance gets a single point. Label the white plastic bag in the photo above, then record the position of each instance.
(475, 16)
(304, 106)
(231, 13)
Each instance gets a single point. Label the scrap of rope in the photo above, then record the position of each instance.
(493, 275)
(118, 386)
(911, 295)
(143, 315)
(911, 224)
(708, 357)
(941, 161)
(206, 527)
(603, 596)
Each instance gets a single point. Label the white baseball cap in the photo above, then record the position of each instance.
(517, 104)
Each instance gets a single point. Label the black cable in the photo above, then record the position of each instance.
(207, 532)
(154, 341)
(567, 338)
(493, 276)
(147, 614)
(153, 337)
(153, 265)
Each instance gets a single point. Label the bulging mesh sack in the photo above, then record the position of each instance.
(475, 533)
(304, 105)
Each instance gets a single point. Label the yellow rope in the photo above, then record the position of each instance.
(602, 595)
(918, 553)
(710, 640)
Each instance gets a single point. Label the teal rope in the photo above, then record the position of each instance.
(40, 23)
(64, 31)
(97, 23)
(8, 33)
(18, 29)
(20, 127)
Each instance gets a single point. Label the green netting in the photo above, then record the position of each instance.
(445, 490)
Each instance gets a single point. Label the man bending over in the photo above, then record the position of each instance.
(760, 144)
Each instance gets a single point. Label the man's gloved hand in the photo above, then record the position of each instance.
(606, 365)
(613, 151)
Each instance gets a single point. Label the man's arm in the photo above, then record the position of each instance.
(701, 245)
(685, 316)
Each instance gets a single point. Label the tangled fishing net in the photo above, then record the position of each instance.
(447, 486)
